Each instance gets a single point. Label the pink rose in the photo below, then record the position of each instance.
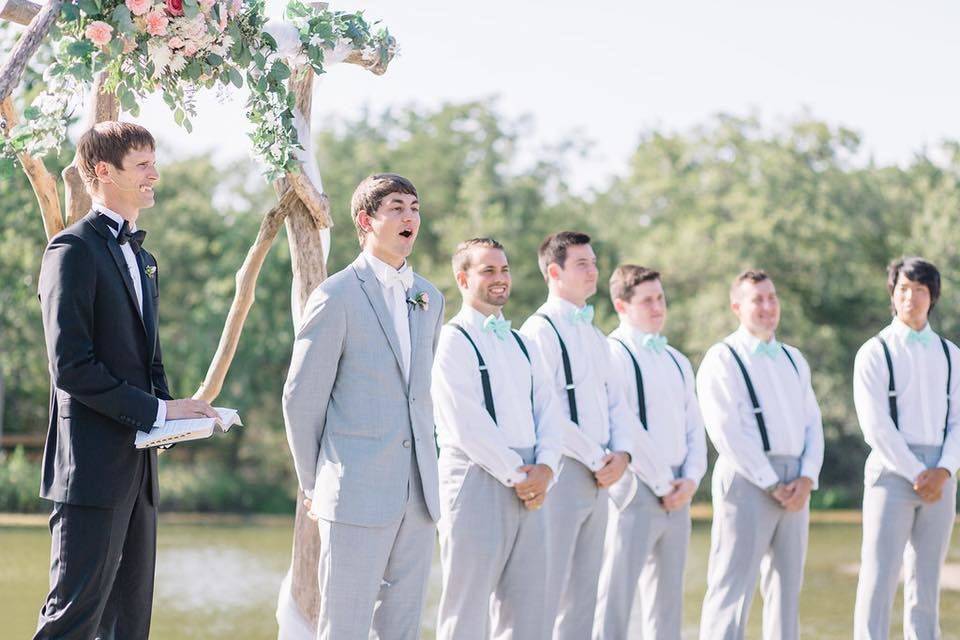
(190, 48)
(176, 42)
(138, 7)
(206, 5)
(235, 7)
(175, 7)
(157, 23)
(99, 32)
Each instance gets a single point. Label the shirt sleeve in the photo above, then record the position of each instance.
(729, 418)
(812, 459)
(628, 434)
(870, 388)
(575, 443)
(950, 456)
(547, 414)
(695, 464)
(161, 413)
(461, 415)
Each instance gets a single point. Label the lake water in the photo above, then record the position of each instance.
(220, 581)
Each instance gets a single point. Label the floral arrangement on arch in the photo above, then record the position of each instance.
(180, 46)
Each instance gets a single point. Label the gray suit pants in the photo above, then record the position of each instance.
(752, 534)
(576, 513)
(645, 546)
(898, 528)
(490, 545)
(373, 580)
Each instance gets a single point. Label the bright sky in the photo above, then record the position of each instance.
(608, 70)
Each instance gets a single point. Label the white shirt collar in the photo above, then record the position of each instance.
(902, 329)
(634, 333)
(381, 268)
(113, 215)
(473, 317)
(751, 341)
(564, 307)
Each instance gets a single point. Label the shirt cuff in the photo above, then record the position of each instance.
(515, 478)
(552, 460)
(161, 413)
(949, 463)
(764, 478)
(308, 493)
(915, 470)
(807, 472)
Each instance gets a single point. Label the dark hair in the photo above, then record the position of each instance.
(918, 270)
(109, 141)
(628, 277)
(461, 255)
(753, 275)
(554, 248)
(370, 193)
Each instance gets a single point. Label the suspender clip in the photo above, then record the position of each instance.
(757, 410)
(570, 387)
(892, 393)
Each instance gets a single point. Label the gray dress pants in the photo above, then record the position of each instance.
(492, 554)
(752, 534)
(899, 529)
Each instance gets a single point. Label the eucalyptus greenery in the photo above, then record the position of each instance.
(178, 47)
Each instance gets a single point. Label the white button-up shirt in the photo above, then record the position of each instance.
(134, 269)
(920, 377)
(785, 395)
(395, 297)
(673, 414)
(605, 419)
(461, 415)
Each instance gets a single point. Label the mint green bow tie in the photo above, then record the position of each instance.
(920, 337)
(497, 326)
(770, 349)
(583, 315)
(655, 342)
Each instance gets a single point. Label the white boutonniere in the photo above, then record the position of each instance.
(150, 270)
(421, 300)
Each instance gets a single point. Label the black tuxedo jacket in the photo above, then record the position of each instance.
(106, 369)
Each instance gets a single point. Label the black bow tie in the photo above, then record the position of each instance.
(124, 235)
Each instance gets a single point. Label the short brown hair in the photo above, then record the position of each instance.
(370, 193)
(110, 142)
(554, 248)
(753, 275)
(918, 270)
(461, 255)
(628, 277)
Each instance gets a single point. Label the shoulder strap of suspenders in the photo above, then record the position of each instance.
(523, 347)
(757, 412)
(946, 352)
(567, 370)
(641, 399)
(891, 385)
(677, 362)
(484, 374)
(790, 358)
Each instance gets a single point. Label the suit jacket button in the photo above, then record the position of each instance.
(406, 444)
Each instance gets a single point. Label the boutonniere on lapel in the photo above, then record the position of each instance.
(421, 300)
(150, 270)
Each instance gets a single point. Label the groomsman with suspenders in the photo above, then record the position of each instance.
(500, 432)
(762, 416)
(906, 393)
(604, 438)
(647, 536)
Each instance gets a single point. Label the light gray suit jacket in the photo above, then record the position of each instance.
(350, 415)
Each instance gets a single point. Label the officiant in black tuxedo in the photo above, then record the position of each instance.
(99, 297)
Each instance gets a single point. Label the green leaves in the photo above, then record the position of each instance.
(89, 7)
(190, 8)
(235, 78)
(122, 20)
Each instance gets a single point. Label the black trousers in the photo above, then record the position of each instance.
(102, 568)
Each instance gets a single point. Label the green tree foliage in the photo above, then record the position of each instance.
(800, 201)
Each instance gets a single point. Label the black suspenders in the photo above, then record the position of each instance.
(567, 370)
(641, 399)
(757, 411)
(485, 375)
(892, 387)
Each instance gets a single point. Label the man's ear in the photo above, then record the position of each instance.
(363, 219)
(461, 278)
(553, 271)
(102, 171)
(619, 305)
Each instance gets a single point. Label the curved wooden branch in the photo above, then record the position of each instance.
(22, 51)
(101, 106)
(43, 183)
(243, 298)
(376, 66)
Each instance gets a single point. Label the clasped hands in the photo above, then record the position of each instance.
(533, 490)
(793, 495)
(929, 484)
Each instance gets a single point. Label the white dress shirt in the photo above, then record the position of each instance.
(673, 414)
(394, 285)
(134, 270)
(790, 409)
(920, 377)
(605, 419)
(461, 415)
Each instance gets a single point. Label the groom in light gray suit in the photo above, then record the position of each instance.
(359, 421)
